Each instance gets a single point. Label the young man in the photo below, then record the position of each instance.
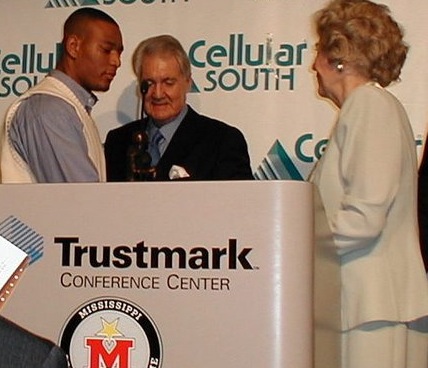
(49, 133)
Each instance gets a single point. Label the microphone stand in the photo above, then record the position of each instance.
(138, 158)
(144, 88)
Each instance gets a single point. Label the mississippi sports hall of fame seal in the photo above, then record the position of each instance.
(111, 332)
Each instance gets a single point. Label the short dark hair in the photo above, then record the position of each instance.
(75, 20)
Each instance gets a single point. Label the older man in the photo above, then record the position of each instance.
(182, 143)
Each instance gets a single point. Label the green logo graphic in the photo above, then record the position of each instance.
(194, 88)
(277, 165)
(68, 3)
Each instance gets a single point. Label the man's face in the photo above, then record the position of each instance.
(166, 96)
(97, 55)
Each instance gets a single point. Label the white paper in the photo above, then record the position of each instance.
(11, 257)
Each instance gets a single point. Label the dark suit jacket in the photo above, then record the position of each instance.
(208, 149)
(423, 206)
(22, 349)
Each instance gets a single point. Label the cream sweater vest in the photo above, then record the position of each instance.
(14, 169)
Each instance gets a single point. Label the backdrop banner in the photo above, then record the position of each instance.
(251, 63)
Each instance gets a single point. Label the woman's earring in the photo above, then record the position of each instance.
(339, 67)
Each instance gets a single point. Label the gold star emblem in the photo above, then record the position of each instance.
(109, 330)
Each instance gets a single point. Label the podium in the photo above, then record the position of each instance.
(177, 275)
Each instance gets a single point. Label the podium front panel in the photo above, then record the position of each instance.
(190, 274)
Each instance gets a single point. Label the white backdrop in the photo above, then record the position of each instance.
(281, 105)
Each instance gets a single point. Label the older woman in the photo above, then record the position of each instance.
(367, 181)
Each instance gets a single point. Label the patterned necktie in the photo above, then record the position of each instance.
(156, 139)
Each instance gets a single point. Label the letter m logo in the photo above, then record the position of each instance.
(109, 353)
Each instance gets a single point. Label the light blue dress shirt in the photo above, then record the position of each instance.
(48, 134)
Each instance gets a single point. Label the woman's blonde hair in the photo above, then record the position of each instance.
(362, 34)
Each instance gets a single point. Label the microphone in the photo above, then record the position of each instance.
(144, 87)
